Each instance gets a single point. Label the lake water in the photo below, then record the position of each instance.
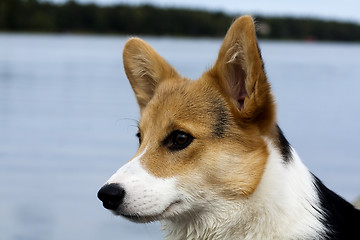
(68, 121)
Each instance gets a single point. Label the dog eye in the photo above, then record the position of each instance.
(138, 135)
(178, 140)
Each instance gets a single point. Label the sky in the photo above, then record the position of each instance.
(344, 10)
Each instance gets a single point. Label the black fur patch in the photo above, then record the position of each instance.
(221, 119)
(285, 146)
(341, 219)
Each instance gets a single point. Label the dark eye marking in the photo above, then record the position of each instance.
(138, 135)
(178, 140)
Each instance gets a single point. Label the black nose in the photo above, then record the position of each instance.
(112, 195)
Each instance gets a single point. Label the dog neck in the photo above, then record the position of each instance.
(285, 205)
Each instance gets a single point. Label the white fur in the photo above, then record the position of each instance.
(284, 206)
(146, 197)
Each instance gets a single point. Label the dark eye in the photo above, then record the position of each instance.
(138, 135)
(178, 140)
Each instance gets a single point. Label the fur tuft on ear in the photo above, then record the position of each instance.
(145, 69)
(240, 72)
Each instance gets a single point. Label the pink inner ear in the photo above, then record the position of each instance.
(237, 85)
(241, 99)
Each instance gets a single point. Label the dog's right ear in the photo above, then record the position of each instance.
(145, 69)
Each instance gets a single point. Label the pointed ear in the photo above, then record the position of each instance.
(239, 71)
(145, 69)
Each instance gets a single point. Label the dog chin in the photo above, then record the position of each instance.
(143, 218)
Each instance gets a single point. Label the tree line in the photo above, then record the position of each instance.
(42, 16)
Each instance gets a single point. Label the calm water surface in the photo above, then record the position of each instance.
(68, 121)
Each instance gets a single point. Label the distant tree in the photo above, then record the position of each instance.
(43, 16)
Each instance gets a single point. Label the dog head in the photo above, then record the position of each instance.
(201, 141)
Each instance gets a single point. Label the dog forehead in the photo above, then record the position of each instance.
(173, 100)
(196, 104)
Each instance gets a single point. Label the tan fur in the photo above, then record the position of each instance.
(145, 69)
(229, 156)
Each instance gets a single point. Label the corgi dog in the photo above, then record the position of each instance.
(212, 162)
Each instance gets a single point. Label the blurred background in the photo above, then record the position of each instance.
(68, 114)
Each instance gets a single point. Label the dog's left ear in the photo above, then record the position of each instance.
(240, 72)
(145, 69)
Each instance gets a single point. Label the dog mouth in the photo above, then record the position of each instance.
(138, 218)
